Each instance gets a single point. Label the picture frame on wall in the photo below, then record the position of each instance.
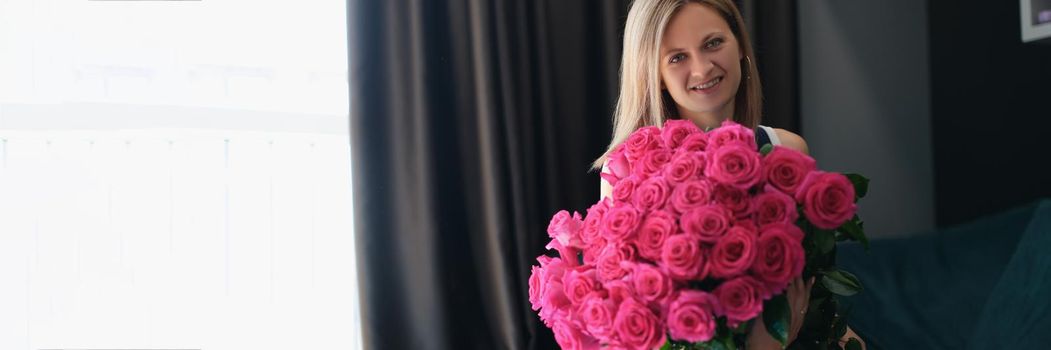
(1036, 21)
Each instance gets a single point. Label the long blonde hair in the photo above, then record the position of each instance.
(641, 101)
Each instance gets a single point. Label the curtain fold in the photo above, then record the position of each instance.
(471, 122)
(776, 41)
(394, 215)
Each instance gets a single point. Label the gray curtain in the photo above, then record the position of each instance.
(472, 123)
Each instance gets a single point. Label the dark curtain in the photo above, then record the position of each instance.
(776, 41)
(472, 122)
(774, 28)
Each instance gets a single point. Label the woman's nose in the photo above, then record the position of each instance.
(701, 66)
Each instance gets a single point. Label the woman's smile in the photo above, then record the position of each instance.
(707, 87)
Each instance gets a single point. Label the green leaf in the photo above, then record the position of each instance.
(861, 185)
(767, 148)
(667, 343)
(816, 300)
(728, 343)
(721, 326)
(743, 327)
(825, 240)
(714, 344)
(841, 282)
(853, 230)
(853, 344)
(776, 318)
(839, 327)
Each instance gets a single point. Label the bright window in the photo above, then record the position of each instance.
(175, 175)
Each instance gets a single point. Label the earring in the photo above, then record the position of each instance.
(747, 73)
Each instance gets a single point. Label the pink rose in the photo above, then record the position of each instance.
(685, 166)
(651, 194)
(733, 198)
(536, 285)
(696, 142)
(734, 253)
(619, 291)
(692, 316)
(591, 233)
(552, 266)
(780, 255)
(609, 261)
(827, 198)
(579, 283)
(690, 195)
(612, 180)
(596, 313)
(740, 298)
(553, 301)
(566, 252)
(676, 130)
(708, 222)
(569, 336)
(656, 228)
(734, 165)
(637, 326)
(748, 224)
(566, 228)
(624, 189)
(652, 163)
(731, 133)
(620, 223)
(650, 283)
(618, 163)
(641, 141)
(785, 168)
(684, 258)
(774, 206)
(593, 250)
(592, 226)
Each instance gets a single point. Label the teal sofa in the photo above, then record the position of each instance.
(981, 285)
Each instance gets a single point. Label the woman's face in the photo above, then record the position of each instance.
(700, 61)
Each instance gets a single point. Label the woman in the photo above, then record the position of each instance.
(693, 60)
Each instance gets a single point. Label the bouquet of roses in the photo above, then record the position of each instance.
(702, 234)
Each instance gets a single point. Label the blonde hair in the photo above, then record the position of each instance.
(641, 101)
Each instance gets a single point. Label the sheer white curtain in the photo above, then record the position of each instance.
(175, 175)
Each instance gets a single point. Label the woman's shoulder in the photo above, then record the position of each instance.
(791, 140)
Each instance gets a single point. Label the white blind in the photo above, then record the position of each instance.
(175, 175)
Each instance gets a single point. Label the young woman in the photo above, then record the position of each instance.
(693, 60)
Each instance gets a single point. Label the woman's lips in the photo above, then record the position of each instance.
(708, 89)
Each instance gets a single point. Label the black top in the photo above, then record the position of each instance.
(761, 138)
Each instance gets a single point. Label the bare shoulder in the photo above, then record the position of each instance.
(791, 140)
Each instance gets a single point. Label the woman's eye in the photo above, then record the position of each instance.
(714, 43)
(677, 58)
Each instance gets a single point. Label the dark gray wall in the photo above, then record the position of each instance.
(864, 102)
(989, 108)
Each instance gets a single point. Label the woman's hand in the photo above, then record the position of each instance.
(798, 294)
(798, 303)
